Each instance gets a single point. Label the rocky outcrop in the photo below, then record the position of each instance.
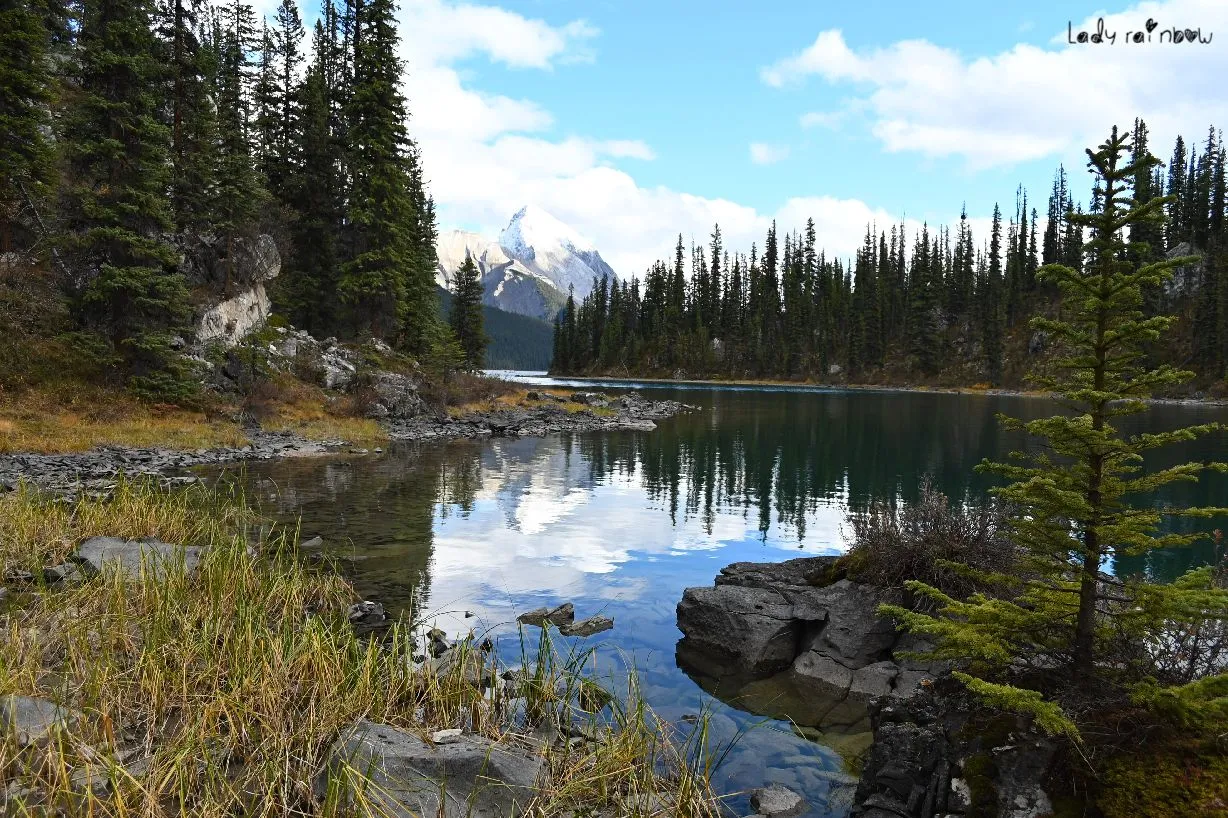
(630, 412)
(938, 753)
(227, 277)
(771, 637)
(457, 776)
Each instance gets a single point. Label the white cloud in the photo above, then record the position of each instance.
(486, 155)
(762, 153)
(822, 119)
(1029, 102)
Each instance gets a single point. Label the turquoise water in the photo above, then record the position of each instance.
(469, 533)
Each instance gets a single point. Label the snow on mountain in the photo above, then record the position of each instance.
(547, 246)
(529, 269)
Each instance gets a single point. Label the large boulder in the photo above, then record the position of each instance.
(398, 396)
(132, 557)
(772, 638)
(467, 777)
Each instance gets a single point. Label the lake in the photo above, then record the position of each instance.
(470, 533)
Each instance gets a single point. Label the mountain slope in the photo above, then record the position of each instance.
(506, 284)
(516, 341)
(547, 246)
(530, 268)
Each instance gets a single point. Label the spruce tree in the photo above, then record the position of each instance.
(466, 315)
(116, 211)
(384, 282)
(26, 156)
(1059, 614)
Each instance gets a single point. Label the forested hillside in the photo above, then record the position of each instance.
(136, 130)
(934, 306)
(515, 341)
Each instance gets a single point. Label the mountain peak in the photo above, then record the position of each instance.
(533, 227)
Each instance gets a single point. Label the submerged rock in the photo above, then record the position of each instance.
(587, 627)
(777, 801)
(465, 777)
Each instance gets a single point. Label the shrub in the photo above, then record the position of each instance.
(930, 540)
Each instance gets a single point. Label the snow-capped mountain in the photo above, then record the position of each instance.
(544, 244)
(529, 269)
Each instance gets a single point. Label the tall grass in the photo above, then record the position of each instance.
(220, 693)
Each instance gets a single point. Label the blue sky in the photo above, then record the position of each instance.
(634, 120)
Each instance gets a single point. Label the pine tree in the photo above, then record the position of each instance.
(466, 316)
(284, 101)
(309, 284)
(1061, 614)
(26, 156)
(193, 67)
(116, 210)
(374, 280)
(991, 303)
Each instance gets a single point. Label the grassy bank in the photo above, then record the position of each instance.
(219, 693)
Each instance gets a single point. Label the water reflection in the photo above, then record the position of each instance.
(620, 523)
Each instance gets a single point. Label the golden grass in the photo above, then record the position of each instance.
(286, 404)
(58, 422)
(520, 400)
(219, 694)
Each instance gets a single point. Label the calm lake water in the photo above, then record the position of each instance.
(620, 523)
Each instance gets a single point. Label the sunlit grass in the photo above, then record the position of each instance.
(79, 420)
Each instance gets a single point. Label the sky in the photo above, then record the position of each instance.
(636, 120)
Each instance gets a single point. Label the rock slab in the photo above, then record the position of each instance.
(467, 777)
(131, 557)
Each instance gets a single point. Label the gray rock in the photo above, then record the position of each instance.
(587, 627)
(398, 394)
(471, 777)
(535, 617)
(131, 557)
(755, 627)
(590, 398)
(64, 573)
(315, 542)
(777, 801)
(32, 721)
(367, 614)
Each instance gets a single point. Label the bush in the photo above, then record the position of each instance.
(930, 540)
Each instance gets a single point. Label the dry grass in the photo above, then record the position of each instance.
(286, 404)
(78, 420)
(219, 694)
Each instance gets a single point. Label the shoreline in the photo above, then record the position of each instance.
(94, 473)
(812, 386)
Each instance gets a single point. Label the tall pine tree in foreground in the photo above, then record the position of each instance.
(117, 212)
(384, 282)
(1060, 616)
(466, 316)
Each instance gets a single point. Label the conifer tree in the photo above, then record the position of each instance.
(466, 315)
(26, 157)
(116, 207)
(1059, 614)
(991, 302)
(379, 241)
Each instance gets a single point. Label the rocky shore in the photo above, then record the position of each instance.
(785, 641)
(94, 473)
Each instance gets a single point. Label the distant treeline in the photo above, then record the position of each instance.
(939, 305)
